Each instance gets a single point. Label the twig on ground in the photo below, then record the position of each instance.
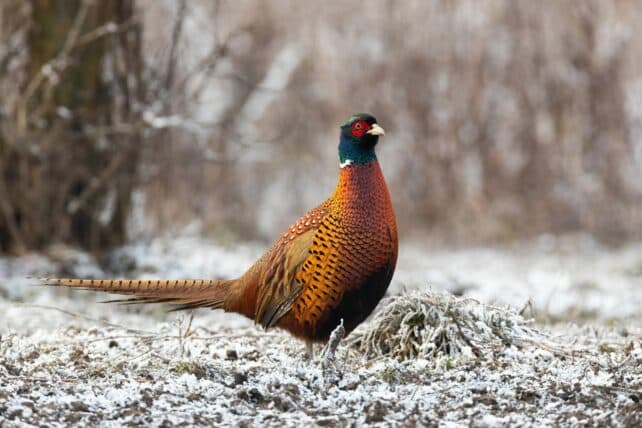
(328, 355)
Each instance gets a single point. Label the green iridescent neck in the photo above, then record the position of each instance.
(353, 152)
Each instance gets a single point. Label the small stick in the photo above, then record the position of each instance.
(330, 349)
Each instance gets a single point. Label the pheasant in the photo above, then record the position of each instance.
(334, 263)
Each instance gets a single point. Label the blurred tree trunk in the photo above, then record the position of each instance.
(67, 168)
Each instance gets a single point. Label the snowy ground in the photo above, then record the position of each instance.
(66, 359)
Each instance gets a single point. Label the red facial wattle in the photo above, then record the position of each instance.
(359, 128)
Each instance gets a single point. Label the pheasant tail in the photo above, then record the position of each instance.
(187, 293)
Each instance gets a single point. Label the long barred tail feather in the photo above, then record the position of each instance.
(187, 293)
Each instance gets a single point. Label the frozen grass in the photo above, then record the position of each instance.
(190, 373)
(426, 357)
(430, 325)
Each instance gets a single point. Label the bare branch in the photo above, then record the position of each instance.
(176, 36)
(106, 30)
(97, 183)
(51, 70)
(9, 215)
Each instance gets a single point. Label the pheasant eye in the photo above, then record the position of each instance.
(359, 128)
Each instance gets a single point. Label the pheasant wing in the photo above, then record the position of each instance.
(279, 286)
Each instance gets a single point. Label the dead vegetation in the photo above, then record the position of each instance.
(197, 373)
(434, 325)
(71, 83)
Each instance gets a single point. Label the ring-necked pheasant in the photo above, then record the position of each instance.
(333, 263)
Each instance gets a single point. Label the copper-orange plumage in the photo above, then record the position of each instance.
(333, 263)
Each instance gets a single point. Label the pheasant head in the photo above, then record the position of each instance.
(359, 136)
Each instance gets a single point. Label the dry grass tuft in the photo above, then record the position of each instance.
(430, 325)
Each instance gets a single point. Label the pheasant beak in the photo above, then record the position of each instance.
(376, 130)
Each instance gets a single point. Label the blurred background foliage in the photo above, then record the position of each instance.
(121, 119)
